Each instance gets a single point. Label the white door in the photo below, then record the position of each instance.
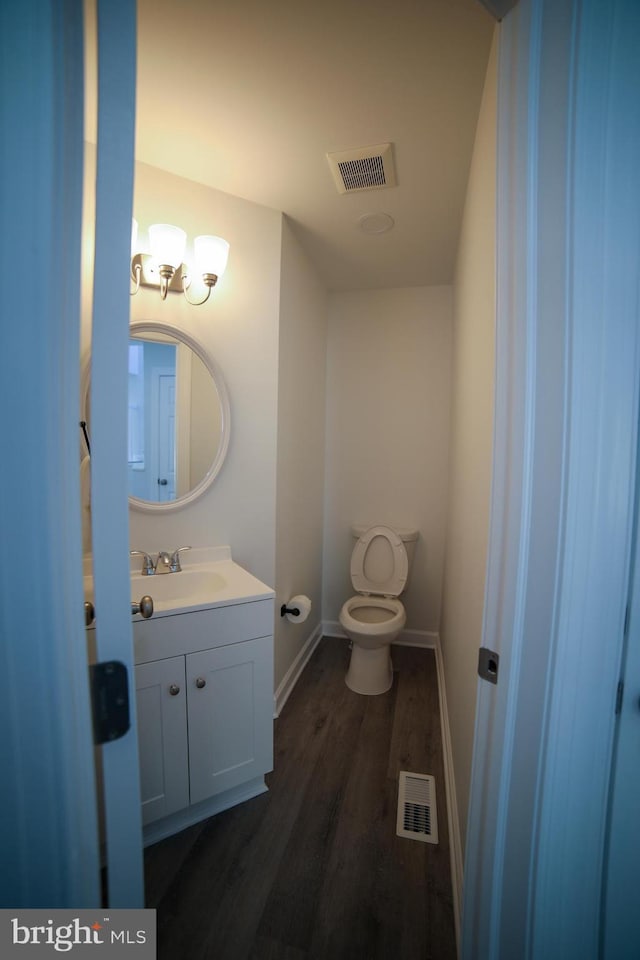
(163, 442)
(567, 380)
(48, 834)
(49, 823)
(109, 391)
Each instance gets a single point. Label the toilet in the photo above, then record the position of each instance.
(373, 618)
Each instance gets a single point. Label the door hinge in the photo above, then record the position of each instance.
(109, 683)
(619, 696)
(488, 662)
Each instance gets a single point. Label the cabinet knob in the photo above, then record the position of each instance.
(144, 608)
(200, 683)
(174, 689)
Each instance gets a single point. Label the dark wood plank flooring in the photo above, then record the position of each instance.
(313, 869)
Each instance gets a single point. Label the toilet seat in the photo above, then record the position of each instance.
(376, 628)
(394, 585)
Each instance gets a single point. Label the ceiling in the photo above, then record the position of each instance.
(248, 97)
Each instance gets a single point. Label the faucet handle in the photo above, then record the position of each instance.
(147, 563)
(175, 559)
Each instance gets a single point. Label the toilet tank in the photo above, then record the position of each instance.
(378, 554)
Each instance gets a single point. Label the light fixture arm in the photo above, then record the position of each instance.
(136, 274)
(208, 279)
(166, 271)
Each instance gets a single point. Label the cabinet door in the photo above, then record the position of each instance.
(230, 710)
(162, 737)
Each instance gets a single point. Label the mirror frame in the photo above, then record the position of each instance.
(167, 329)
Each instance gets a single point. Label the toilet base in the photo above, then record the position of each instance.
(370, 670)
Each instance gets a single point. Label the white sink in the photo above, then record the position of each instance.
(181, 589)
(214, 581)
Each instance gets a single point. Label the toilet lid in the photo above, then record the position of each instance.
(392, 587)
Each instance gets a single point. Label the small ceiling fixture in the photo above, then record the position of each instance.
(376, 222)
(163, 267)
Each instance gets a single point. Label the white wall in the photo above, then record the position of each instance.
(301, 416)
(266, 326)
(239, 327)
(388, 389)
(471, 443)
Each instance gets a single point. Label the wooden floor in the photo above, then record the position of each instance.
(313, 868)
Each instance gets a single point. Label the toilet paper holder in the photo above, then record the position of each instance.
(294, 611)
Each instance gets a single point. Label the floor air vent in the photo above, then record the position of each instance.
(417, 813)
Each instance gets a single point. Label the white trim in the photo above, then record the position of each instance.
(109, 473)
(408, 638)
(418, 638)
(455, 839)
(292, 675)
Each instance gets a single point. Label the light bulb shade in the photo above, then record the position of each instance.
(167, 244)
(134, 236)
(210, 255)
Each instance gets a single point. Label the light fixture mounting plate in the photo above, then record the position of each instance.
(150, 275)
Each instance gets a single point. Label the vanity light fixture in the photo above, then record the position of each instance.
(163, 267)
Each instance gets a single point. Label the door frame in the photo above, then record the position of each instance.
(567, 386)
(109, 400)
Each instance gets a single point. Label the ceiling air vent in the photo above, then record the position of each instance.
(366, 168)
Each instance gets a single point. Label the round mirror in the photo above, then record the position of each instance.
(178, 418)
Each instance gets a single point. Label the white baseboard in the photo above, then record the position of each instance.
(408, 638)
(418, 638)
(455, 841)
(292, 675)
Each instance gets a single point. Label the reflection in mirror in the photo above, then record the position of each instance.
(175, 419)
(178, 418)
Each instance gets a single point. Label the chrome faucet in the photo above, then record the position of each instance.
(175, 559)
(148, 566)
(165, 562)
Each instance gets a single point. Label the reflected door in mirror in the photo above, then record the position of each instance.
(152, 420)
(175, 419)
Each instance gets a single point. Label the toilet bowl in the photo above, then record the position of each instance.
(373, 618)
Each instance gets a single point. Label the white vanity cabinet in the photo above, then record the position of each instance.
(204, 683)
(230, 716)
(162, 737)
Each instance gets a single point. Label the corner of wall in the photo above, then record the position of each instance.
(300, 460)
(471, 442)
